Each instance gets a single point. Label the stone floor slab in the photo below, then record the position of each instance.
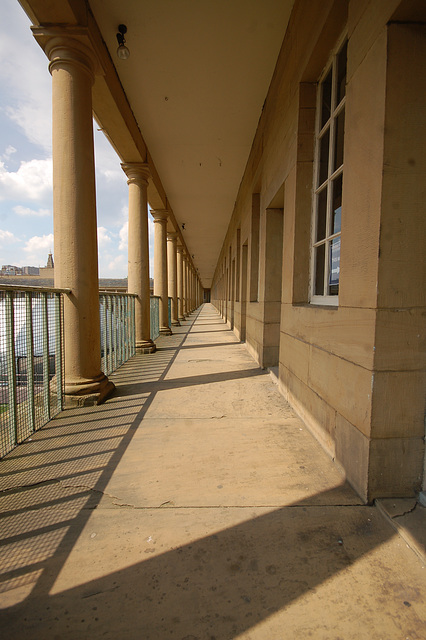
(194, 505)
(216, 462)
(258, 574)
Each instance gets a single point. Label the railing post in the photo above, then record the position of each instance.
(109, 334)
(122, 348)
(58, 351)
(124, 328)
(114, 332)
(45, 357)
(29, 335)
(11, 367)
(118, 321)
(132, 326)
(155, 317)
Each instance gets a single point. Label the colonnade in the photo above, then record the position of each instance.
(174, 275)
(73, 65)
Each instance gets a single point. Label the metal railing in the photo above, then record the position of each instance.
(154, 317)
(117, 315)
(31, 361)
(32, 354)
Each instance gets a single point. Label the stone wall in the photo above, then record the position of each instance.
(354, 371)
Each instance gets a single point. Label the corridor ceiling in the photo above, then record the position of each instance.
(195, 81)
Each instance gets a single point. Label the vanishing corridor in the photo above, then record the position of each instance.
(194, 505)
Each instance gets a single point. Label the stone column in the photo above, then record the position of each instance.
(184, 285)
(73, 66)
(160, 267)
(138, 253)
(191, 306)
(194, 279)
(192, 288)
(187, 304)
(180, 282)
(172, 276)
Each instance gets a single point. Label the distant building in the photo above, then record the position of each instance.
(30, 271)
(48, 270)
(11, 270)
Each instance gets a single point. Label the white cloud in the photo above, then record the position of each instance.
(108, 165)
(25, 78)
(34, 122)
(104, 239)
(124, 237)
(26, 211)
(32, 181)
(37, 249)
(9, 151)
(26, 192)
(118, 267)
(111, 174)
(6, 237)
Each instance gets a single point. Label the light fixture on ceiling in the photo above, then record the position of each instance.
(122, 52)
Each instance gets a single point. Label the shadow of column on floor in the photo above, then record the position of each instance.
(218, 586)
(222, 584)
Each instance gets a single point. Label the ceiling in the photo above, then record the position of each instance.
(196, 80)
(187, 100)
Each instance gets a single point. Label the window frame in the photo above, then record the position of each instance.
(327, 184)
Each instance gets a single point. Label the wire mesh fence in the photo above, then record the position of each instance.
(155, 317)
(117, 315)
(32, 354)
(31, 361)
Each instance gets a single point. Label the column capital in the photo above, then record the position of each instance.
(172, 237)
(179, 248)
(136, 172)
(160, 215)
(69, 45)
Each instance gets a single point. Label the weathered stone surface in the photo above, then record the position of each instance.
(188, 508)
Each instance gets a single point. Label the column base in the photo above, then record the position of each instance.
(176, 323)
(87, 393)
(146, 346)
(166, 331)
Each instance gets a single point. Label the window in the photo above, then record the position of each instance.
(327, 207)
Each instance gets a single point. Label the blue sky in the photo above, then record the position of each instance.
(26, 216)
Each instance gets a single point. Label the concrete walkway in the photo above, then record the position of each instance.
(194, 505)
